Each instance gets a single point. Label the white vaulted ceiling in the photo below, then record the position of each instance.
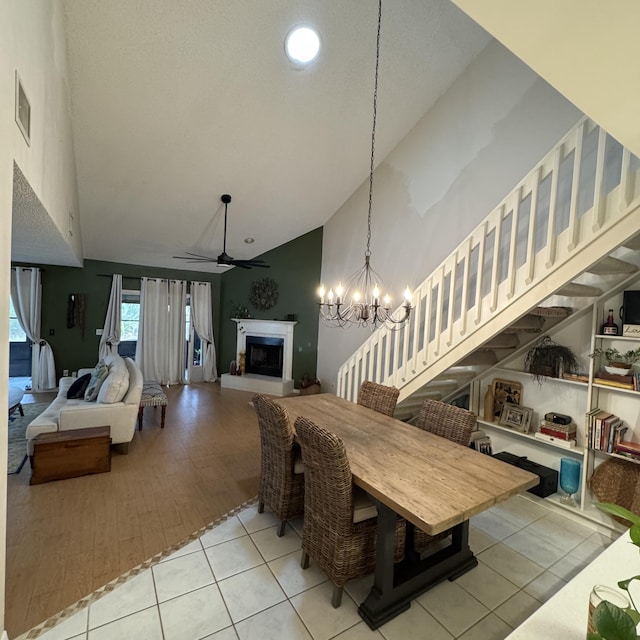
(175, 102)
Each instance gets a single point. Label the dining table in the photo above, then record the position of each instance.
(435, 484)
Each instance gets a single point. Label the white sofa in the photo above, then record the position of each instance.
(64, 414)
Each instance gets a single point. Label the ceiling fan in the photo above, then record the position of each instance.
(224, 259)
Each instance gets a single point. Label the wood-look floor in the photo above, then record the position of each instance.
(67, 538)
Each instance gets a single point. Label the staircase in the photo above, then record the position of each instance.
(568, 232)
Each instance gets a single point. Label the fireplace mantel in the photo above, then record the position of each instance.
(258, 383)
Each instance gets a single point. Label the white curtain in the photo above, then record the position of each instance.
(203, 324)
(26, 295)
(177, 338)
(111, 331)
(160, 351)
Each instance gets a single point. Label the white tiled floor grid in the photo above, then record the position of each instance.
(240, 581)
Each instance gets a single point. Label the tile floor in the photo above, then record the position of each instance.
(239, 581)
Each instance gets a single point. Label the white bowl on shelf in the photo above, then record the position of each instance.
(617, 371)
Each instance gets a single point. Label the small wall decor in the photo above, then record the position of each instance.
(263, 294)
(505, 391)
(516, 417)
(23, 111)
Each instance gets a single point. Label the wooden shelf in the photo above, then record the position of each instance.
(579, 451)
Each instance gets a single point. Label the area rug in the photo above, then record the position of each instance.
(17, 442)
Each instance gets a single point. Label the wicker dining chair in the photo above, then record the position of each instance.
(448, 421)
(378, 397)
(342, 545)
(452, 423)
(282, 473)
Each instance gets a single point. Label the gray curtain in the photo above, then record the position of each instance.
(111, 332)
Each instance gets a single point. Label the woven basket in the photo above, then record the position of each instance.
(310, 390)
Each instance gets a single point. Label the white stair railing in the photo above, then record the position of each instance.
(577, 205)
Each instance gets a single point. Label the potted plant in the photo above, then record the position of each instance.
(609, 620)
(308, 385)
(617, 362)
(549, 359)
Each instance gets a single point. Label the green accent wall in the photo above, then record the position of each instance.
(295, 267)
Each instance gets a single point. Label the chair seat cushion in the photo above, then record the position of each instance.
(364, 507)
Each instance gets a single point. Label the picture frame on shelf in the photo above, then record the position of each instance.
(516, 417)
(505, 391)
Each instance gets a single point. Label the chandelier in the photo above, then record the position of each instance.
(360, 302)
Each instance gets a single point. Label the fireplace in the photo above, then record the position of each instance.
(264, 356)
(267, 346)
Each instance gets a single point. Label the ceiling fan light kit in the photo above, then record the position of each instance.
(361, 302)
(224, 259)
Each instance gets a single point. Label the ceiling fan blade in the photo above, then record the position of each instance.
(248, 264)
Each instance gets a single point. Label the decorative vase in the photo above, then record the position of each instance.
(488, 404)
(241, 364)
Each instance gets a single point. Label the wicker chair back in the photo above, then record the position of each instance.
(280, 488)
(378, 397)
(446, 420)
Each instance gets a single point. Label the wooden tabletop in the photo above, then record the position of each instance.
(425, 478)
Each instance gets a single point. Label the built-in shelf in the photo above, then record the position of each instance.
(579, 451)
(546, 378)
(617, 455)
(608, 387)
(623, 338)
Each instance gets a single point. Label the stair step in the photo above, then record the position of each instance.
(551, 312)
(575, 289)
(527, 324)
(479, 358)
(610, 266)
(633, 243)
(501, 341)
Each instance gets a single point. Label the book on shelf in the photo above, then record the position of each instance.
(595, 427)
(561, 442)
(628, 379)
(558, 433)
(588, 425)
(576, 377)
(627, 447)
(605, 382)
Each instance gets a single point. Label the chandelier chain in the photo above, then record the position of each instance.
(373, 130)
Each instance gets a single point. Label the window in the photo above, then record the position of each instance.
(16, 334)
(129, 318)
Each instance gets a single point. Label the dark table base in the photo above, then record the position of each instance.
(396, 584)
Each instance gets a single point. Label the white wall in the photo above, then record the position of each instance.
(39, 54)
(31, 41)
(483, 135)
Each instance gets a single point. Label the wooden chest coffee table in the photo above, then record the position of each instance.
(68, 454)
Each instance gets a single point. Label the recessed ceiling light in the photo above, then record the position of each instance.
(302, 45)
(249, 240)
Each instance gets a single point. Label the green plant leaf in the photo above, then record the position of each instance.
(594, 636)
(613, 623)
(634, 534)
(617, 510)
(624, 584)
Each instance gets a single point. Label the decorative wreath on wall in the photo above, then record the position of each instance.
(263, 294)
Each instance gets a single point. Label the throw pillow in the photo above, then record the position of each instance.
(116, 383)
(97, 378)
(79, 386)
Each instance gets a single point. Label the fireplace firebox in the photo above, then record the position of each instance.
(264, 356)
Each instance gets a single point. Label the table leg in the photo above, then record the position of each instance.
(395, 585)
(140, 410)
(164, 412)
